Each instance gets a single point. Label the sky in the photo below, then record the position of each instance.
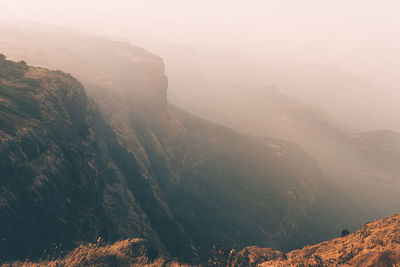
(241, 22)
(339, 32)
(360, 36)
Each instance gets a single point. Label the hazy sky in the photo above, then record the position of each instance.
(304, 30)
(360, 35)
(239, 22)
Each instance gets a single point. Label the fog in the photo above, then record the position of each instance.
(341, 55)
(321, 74)
(305, 48)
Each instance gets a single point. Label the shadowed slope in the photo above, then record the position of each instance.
(62, 169)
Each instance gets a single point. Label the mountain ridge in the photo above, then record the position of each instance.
(377, 243)
(57, 166)
(173, 178)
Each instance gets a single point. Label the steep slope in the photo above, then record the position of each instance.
(375, 244)
(226, 187)
(64, 177)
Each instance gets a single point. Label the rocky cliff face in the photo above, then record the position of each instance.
(64, 176)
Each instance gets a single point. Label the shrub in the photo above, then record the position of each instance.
(345, 232)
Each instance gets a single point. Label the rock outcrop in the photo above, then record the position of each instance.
(376, 244)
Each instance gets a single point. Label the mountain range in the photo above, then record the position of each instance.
(105, 156)
(340, 152)
(72, 174)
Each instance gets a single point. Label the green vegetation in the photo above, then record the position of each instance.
(345, 232)
(11, 70)
(22, 102)
(26, 106)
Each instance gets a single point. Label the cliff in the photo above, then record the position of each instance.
(62, 169)
(132, 74)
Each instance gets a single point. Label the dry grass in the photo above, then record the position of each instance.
(375, 244)
(129, 252)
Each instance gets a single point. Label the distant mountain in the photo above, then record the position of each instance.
(379, 148)
(349, 98)
(379, 151)
(146, 170)
(341, 154)
(265, 111)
